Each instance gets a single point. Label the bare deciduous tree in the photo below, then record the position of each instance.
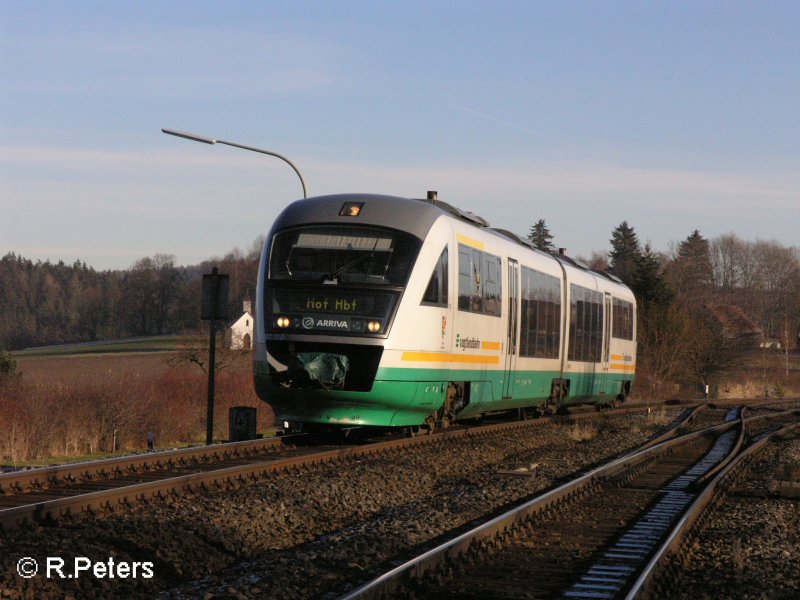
(195, 352)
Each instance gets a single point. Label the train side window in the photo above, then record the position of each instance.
(479, 281)
(541, 314)
(436, 292)
(492, 300)
(470, 285)
(465, 278)
(585, 324)
(622, 320)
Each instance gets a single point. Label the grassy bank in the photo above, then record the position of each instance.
(67, 405)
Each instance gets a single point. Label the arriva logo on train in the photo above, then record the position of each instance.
(312, 323)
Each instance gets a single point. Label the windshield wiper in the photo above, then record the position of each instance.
(332, 278)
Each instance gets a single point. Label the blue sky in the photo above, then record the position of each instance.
(673, 116)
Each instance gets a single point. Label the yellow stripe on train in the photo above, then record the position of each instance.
(470, 241)
(450, 358)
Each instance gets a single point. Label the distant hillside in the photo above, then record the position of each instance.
(154, 343)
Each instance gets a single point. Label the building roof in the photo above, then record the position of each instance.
(734, 320)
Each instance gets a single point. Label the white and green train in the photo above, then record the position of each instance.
(394, 312)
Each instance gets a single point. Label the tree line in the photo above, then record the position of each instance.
(45, 303)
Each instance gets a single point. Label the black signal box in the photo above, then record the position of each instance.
(214, 303)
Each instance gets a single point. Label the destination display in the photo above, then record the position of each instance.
(347, 305)
(356, 303)
(344, 311)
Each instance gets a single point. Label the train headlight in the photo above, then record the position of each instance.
(374, 326)
(283, 322)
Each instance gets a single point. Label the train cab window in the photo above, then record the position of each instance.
(436, 292)
(622, 320)
(338, 255)
(479, 283)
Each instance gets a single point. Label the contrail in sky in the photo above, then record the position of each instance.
(506, 123)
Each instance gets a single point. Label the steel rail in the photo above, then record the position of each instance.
(697, 509)
(385, 584)
(41, 477)
(122, 495)
(44, 476)
(108, 499)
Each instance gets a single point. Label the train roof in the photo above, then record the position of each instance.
(416, 216)
(404, 214)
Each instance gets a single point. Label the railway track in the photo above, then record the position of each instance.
(53, 493)
(589, 538)
(663, 576)
(317, 531)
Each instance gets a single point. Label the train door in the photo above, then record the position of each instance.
(606, 354)
(511, 335)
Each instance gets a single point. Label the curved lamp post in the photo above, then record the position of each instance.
(205, 140)
(213, 326)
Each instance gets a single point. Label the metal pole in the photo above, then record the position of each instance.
(212, 358)
(205, 140)
(212, 348)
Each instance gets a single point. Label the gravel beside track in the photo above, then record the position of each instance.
(317, 532)
(749, 546)
(716, 413)
(708, 417)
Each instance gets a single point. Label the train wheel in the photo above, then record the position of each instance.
(529, 413)
(413, 431)
(429, 426)
(426, 428)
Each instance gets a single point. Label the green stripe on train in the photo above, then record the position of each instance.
(403, 396)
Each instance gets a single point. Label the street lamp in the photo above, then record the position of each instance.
(205, 140)
(215, 285)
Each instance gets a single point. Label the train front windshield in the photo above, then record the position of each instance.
(337, 278)
(343, 255)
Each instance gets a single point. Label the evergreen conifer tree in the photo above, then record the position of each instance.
(624, 252)
(648, 282)
(541, 237)
(692, 269)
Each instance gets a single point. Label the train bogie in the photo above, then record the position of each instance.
(391, 312)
